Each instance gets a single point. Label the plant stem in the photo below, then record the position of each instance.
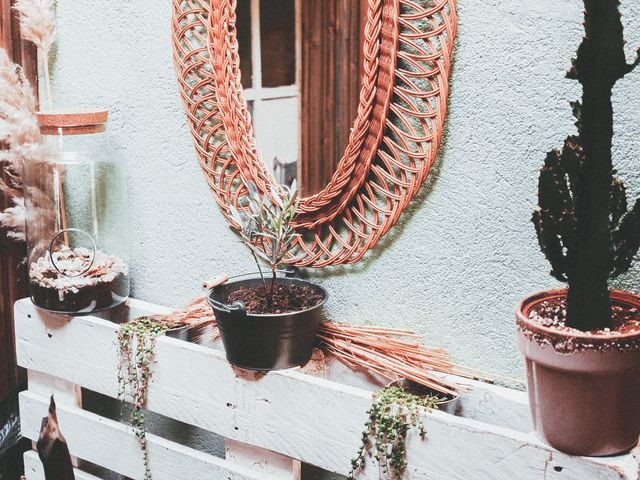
(273, 284)
(47, 78)
(255, 257)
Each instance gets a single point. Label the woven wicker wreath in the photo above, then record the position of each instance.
(393, 143)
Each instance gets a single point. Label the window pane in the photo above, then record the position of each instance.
(277, 38)
(243, 26)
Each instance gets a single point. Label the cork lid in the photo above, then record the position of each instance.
(72, 122)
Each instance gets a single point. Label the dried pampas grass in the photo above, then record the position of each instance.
(37, 22)
(20, 140)
(18, 124)
(13, 220)
(38, 25)
(19, 132)
(392, 353)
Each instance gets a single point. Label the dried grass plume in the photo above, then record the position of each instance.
(13, 220)
(20, 139)
(18, 124)
(37, 22)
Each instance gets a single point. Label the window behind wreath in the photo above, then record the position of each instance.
(301, 66)
(267, 45)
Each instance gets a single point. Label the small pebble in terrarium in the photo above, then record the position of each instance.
(75, 280)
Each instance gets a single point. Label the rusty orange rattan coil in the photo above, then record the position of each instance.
(393, 143)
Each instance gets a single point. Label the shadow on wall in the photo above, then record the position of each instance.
(414, 206)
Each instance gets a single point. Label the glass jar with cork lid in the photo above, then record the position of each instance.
(76, 208)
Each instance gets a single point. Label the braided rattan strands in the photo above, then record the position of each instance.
(393, 143)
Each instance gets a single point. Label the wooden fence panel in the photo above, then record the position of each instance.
(313, 416)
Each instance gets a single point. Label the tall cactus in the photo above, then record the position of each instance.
(584, 225)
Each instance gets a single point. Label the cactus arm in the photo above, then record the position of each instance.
(618, 201)
(550, 243)
(626, 240)
(554, 219)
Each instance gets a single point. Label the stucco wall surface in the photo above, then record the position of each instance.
(462, 255)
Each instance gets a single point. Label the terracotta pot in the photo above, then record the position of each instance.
(584, 389)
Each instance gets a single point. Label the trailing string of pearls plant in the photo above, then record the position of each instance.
(136, 342)
(136, 345)
(393, 412)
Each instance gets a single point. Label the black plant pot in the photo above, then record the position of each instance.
(265, 341)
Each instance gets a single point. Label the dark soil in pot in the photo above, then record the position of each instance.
(268, 341)
(81, 300)
(584, 387)
(285, 298)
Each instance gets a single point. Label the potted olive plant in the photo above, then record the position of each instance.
(582, 344)
(269, 320)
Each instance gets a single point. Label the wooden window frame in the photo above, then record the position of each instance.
(257, 93)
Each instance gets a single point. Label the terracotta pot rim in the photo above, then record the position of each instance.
(237, 283)
(618, 296)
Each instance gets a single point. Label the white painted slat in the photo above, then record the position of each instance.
(273, 412)
(267, 464)
(496, 405)
(483, 402)
(63, 391)
(114, 445)
(292, 413)
(34, 471)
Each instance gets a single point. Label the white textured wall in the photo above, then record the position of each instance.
(462, 256)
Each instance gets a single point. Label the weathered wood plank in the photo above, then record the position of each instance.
(34, 471)
(495, 405)
(289, 412)
(483, 402)
(114, 445)
(266, 464)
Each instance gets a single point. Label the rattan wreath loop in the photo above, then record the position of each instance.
(393, 143)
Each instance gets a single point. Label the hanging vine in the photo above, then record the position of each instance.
(136, 342)
(393, 412)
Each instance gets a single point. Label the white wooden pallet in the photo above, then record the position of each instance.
(272, 422)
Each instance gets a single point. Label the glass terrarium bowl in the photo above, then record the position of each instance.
(76, 217)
